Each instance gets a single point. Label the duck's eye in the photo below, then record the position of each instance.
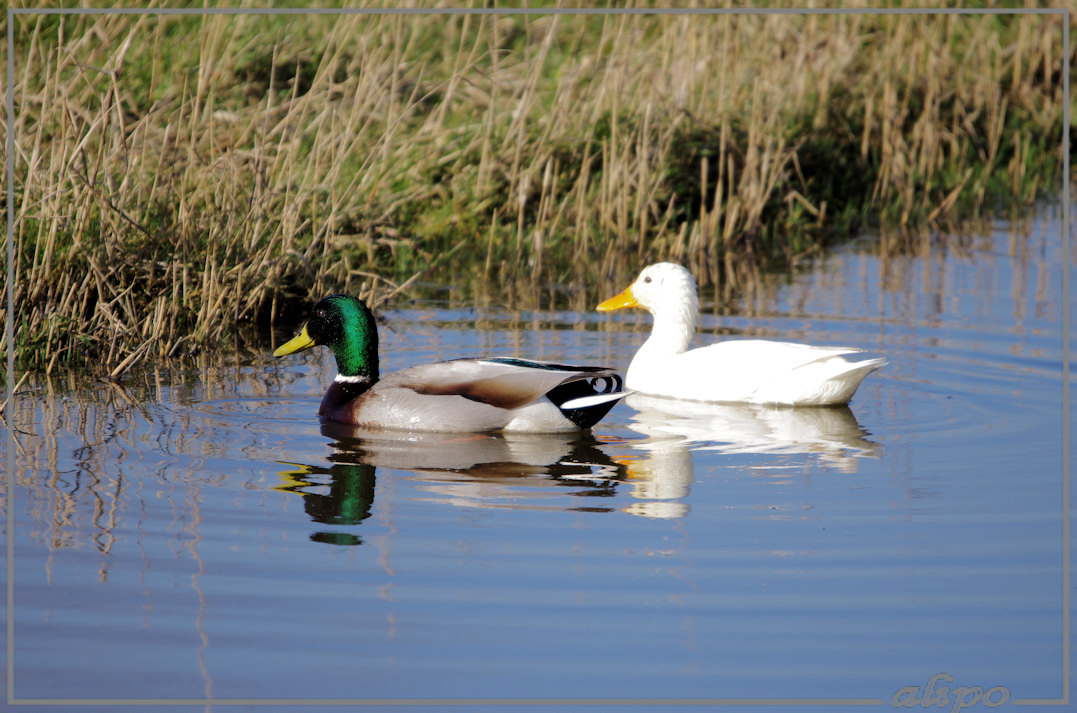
(647, 279)
(319, 313)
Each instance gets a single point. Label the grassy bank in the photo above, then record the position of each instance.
(181, 178)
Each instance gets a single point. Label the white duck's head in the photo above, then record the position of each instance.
(667, 291)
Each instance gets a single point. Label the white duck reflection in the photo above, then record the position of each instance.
(662, 474)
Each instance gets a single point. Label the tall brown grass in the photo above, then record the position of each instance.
(180, 177)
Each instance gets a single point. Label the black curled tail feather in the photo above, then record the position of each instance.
(586, 385)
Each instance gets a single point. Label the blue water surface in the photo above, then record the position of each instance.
(197, 536)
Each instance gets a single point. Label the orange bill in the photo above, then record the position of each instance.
(625, 299)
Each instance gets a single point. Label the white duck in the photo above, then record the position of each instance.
(747, 370)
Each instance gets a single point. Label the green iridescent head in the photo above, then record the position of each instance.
(345, 325)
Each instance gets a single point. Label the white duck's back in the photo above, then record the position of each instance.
(754, 371)
(749, 370)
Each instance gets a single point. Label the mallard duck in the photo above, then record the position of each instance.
(743, 370)
(461, 395)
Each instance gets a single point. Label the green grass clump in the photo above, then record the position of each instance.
(179, 177)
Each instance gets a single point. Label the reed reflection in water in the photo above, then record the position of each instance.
(146, 441)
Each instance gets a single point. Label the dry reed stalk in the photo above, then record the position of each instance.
(166, 197)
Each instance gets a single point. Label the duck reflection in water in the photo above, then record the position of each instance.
(535, 471)
(553, 471)
(662, 473)
(348, 501)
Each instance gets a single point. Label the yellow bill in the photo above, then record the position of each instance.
(625, 299)
(296, 344)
